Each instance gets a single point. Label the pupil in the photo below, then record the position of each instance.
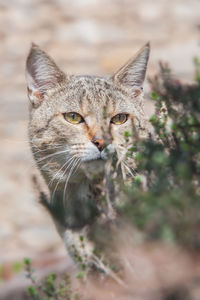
(73, 116)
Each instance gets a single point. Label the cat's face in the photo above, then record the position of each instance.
(78, 120)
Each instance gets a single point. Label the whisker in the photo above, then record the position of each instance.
(45, 165)
(31, 141)
(59, 181)
(70, 172)
(54, 177)
(33, 164)
(50, 155)
(77, 166)
(47, 149)
(69, 175)
(129, 169)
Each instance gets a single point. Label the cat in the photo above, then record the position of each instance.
(69, 118)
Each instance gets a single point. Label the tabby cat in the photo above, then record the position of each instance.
(69, 118)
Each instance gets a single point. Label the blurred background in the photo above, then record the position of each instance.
(84, 37)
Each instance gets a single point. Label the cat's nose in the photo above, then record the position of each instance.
(98, 142)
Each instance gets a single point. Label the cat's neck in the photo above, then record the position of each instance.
(75, 203)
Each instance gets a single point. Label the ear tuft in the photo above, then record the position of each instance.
(42, 74)
(132, 74)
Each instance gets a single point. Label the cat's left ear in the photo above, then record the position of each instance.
(132, 74)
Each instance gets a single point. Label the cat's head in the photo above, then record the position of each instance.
(82, 118)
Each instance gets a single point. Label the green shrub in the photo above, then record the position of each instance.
(51, 287)
(169, 206)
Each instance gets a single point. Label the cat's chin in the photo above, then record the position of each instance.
(94, 167)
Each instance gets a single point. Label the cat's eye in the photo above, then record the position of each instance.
(119, 119)
(73, 118)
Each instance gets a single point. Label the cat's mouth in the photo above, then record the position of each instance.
(94, 166)
(95, 155)
(100, 159)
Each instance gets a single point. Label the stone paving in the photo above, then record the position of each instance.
(90, 36)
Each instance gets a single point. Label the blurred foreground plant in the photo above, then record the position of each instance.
(169, 205)
(51, 287)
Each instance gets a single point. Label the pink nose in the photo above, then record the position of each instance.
(98, 142)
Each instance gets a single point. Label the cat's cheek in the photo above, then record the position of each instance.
(117, 133)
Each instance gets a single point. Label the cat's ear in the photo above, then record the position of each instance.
(42, 75)
(132, 74)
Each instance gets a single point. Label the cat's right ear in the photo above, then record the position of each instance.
(42, 75)
(132, 75)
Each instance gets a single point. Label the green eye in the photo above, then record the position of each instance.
(73, 118)
(119, 119)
